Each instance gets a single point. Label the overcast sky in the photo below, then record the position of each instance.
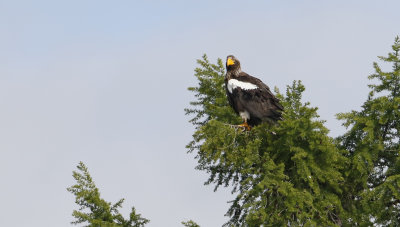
(104, 82)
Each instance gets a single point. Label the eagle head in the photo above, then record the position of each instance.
(232, 65)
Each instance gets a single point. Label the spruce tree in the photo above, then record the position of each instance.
(95, 211)
(283, 174)
(372, 192)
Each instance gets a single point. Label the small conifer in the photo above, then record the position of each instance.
(95, 211)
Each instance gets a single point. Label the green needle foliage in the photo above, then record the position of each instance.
(94, 210)
(190, 223)
(283, 174)
(372, 191)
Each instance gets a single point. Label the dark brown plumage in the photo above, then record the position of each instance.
(249, 96)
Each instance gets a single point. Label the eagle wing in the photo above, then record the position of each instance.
(259, 102)
(229, 96)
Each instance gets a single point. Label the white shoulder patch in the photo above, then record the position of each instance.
(233, 83)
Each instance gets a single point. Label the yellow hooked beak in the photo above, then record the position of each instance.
(230, 62)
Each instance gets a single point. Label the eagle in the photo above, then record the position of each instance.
(249, 96)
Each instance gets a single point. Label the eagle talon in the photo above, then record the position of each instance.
(246, 126)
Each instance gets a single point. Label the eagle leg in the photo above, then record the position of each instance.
(245, 125)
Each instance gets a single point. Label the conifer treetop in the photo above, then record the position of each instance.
(95, 211)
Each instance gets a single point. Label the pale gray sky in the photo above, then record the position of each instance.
(104, 82)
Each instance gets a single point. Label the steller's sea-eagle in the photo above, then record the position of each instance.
(249, 96)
